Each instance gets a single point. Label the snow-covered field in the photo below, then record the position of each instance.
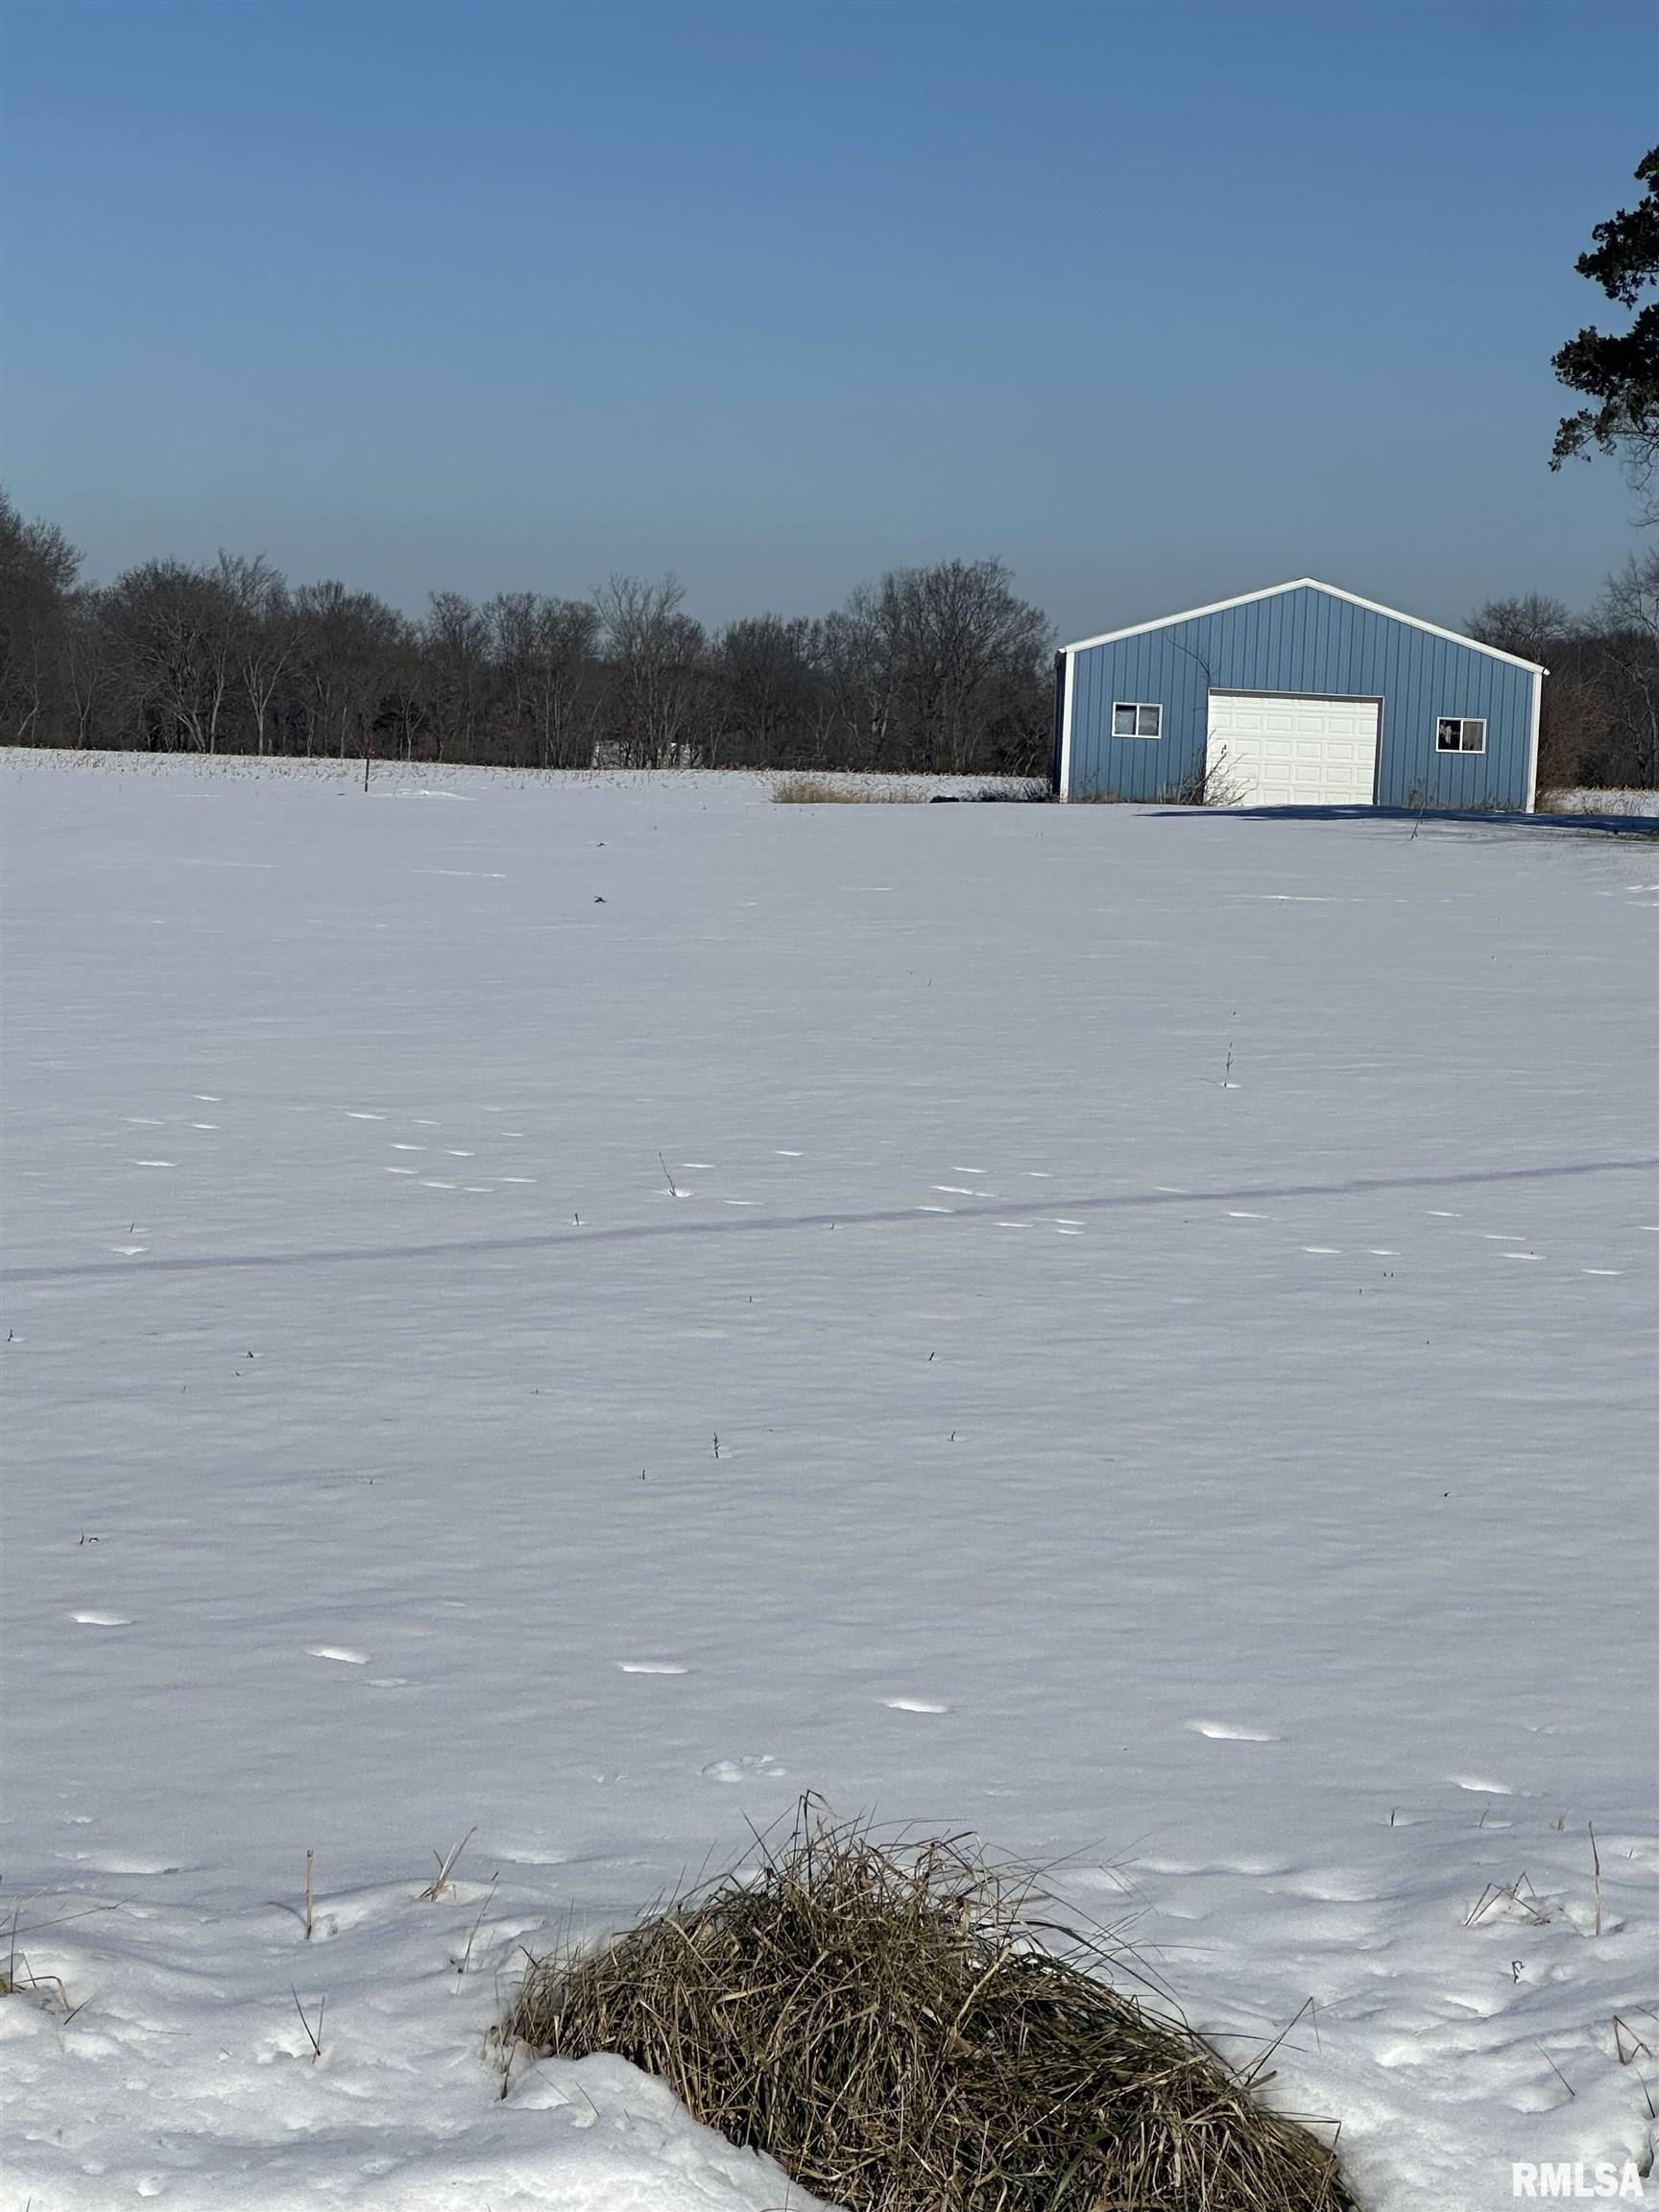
(568, 1313)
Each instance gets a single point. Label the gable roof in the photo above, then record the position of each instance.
(1304, 584)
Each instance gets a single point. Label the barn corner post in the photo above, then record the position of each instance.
(1060, 759)
(1537, 718)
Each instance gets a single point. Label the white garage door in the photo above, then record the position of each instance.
(1267, 749)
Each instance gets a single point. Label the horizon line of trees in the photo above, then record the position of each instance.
(939, 669)
(1600, 724)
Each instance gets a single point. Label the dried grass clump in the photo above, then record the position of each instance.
(886, 2023)
(841, 791)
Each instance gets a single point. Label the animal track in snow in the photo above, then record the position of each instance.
(123, 1863)
(914, 1705)
(103, 1620)
(763, 1769)
(341, 1651)
(1227, 1732)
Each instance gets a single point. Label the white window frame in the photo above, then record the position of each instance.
(1138, 707)
(1465, 723)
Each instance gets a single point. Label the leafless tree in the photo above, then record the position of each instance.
(943, 668)
(658, 674)
(89, 669)
(1531, 624)
(771, 693)
(1628, 636)
(1597, 721)
(263, 631)
(966, 649)
(173, 632)
(544, 652)
(345, 645)
(1540, 629)
(457, 640)
(38, 570)
(862, 675)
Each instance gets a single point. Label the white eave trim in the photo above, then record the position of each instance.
(1303, 583)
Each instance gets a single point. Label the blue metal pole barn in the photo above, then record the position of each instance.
(1299, 695)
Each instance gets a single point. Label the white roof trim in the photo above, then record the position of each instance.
(1304, 584)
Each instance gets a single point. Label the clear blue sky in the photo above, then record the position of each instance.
(1156, 303)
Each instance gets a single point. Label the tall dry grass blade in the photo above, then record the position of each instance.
(439, 1881)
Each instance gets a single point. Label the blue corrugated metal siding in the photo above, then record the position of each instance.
(1313, 642)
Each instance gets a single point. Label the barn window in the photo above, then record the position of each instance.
(1460, 733)
(1133, 718)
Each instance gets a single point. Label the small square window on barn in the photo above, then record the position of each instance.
(1460, 733)
(1133, 718)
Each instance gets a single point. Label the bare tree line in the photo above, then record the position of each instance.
(1601, 713)
(941, 668)
(937, 668)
